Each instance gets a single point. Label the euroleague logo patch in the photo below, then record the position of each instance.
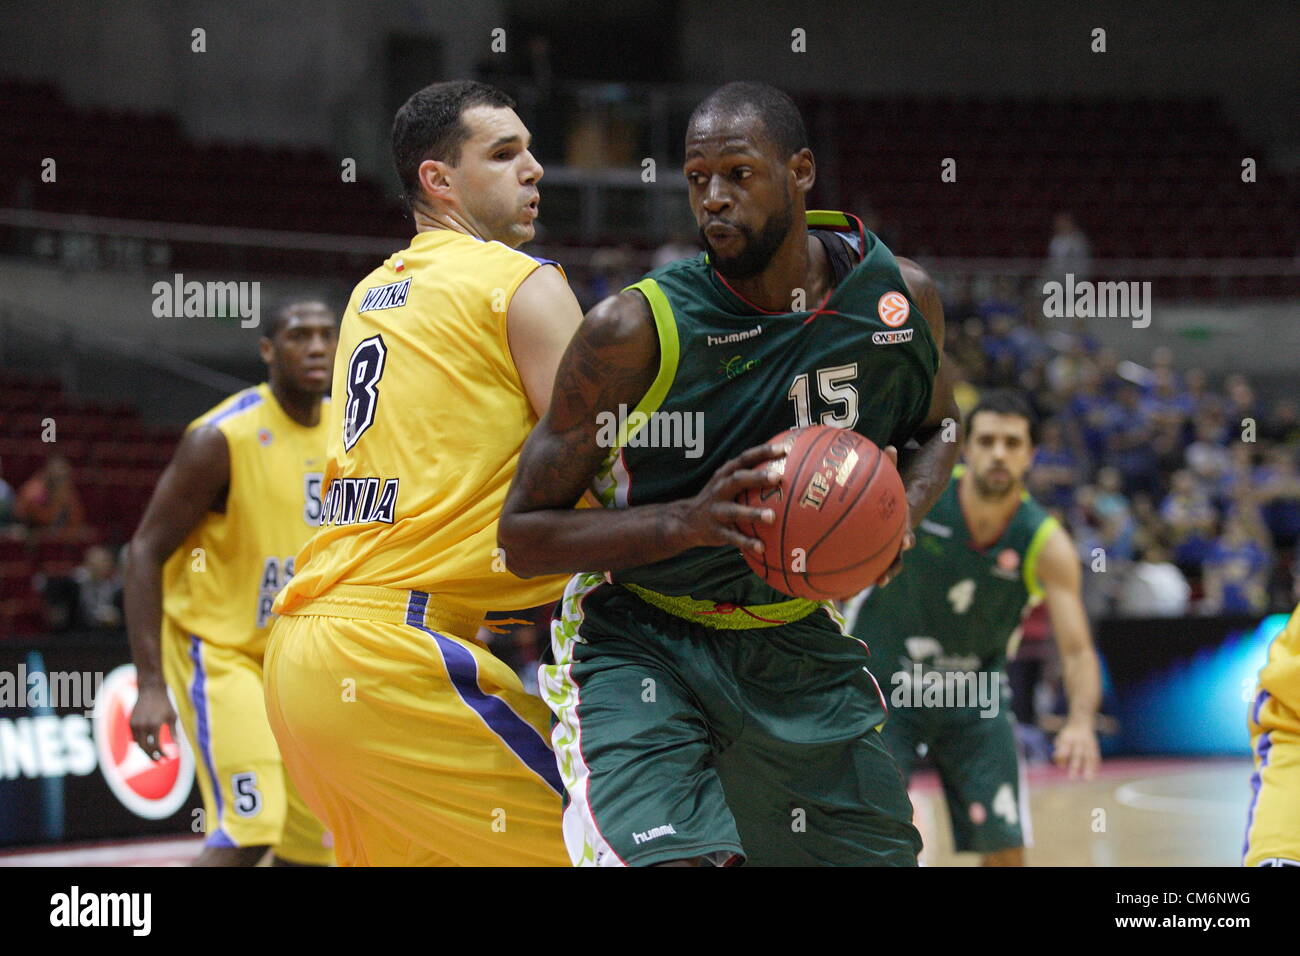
(893, 309)
(151, 790)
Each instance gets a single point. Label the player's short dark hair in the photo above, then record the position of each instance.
(780, 116)
(279, 312)
(429, 126)
(1003, 401)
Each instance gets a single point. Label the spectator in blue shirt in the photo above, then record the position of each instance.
(1191, 520)
(1236, 569)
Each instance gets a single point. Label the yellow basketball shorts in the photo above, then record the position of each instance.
(1273, 820)
(248, 798)
(413, 743)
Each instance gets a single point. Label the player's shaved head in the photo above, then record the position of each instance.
(781, 124)
(429, 126)
(748, 166)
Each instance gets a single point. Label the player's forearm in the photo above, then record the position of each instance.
(926, 473)
(142, 601)
(590, 539)
(1082, 675)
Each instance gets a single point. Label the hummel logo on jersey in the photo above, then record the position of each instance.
(391, 296)
(735, 336)
(892, 338)
(943, 531)
(654, 834)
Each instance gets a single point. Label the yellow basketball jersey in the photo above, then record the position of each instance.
(1281, 675)
(428, 420)
(221, 583)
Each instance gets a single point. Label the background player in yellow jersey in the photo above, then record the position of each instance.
(216, 544)
(1273, 821)
(410, 740)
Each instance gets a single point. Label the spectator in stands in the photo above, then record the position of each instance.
(1236, 478)
(1130, 443)
(958, 303)
(1068, 253)
(1066, 370)
(1196, 386)
(1207, 457)
(1092, 413)
(1057, 469)
(1027, 341)
(1086, 527)
(1190, 519)
(1154, 587)
(967, 349)
(1162, 365)
(1116, 515)
(100, 585)
(1237, 566)
(48, 501)
(1276, 489)
(1283, 423)
(1165, 401)
(1112, 382)
(1000, 352)
(1241, 404)
(1002, 300)
(1148, 528)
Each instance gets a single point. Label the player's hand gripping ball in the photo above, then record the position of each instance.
(841, 515)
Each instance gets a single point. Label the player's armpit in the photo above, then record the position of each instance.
(540, 322)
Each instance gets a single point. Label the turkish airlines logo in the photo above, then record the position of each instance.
(151, 790)
(893, 309)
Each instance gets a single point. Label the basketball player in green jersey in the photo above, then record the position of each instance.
(701, 715)
(941, 631)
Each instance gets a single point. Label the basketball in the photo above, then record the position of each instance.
(840, 515)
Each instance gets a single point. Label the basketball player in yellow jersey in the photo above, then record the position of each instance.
(217, 542)
(1273, 821)
(412, 742)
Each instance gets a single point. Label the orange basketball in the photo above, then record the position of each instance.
(840, 515)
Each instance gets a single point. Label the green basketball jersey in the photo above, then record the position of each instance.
(732, 376)
(955, 606)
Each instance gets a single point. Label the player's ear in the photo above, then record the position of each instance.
(266, 349)
(804, 169)
(434, 183)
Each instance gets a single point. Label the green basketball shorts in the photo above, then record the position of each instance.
(680, 741)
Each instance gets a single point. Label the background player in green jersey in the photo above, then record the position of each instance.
(941, 632)
(702, 715)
